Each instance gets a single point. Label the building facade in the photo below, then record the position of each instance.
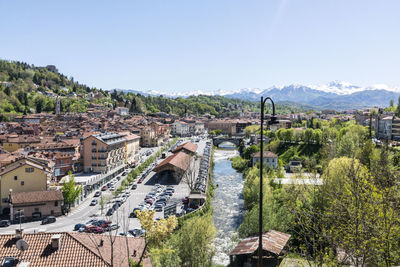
(24, 175)
(103, 152)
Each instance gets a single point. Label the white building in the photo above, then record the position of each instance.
(122, 111)
(180, 128)
(270, 159)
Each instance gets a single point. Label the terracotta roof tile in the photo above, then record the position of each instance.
(180, 160)
(272, 241)
(187, 146)
(266, 154)
(36, 196)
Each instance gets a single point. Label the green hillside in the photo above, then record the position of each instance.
(26, 89)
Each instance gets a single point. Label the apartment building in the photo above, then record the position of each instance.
(23, 175)
(226, 126)
(103, 152)
(180, 128)
(131, 146)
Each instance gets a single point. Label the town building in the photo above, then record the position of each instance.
(188, 148)
(24, 175)
(122, 111)
(103, 152)
(383, 128)
(14, 143)
(174, 166)
(274, 247)
(180, 128)
(270, 159)
(132, 147)
(36, 204)
(226, 126)
(63, 163)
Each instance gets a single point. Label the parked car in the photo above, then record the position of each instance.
(94, 202)
(140, 181)
(112, 227)
(97, 230)
(36, 215)
(110, 212)
(49, 219)
(170, 189)
(133, 214)
(78, 226)
(97, 194)
(136, 232)
(158, 207)
(112, 188)
(150, 201)
(5, 223)
(104, 188)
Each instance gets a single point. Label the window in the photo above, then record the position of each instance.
(56, 203)
(22, 183)
(29, 169)
(15, 178)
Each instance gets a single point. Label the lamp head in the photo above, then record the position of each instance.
(273, 120)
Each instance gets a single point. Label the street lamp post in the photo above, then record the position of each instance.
(273, 120)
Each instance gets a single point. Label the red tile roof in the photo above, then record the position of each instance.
(272, 241)
(187, 146)
(180, 160)
(77, 249)
(266, 154)
(36, 196)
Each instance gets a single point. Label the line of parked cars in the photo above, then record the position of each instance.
(96, 226)
(156, 199)
(118, 201)
(201, 181)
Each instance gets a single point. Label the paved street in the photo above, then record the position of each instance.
(84, 212)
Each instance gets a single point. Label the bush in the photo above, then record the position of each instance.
(239, 164)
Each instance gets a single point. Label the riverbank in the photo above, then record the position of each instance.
(228, 204)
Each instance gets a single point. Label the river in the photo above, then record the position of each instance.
(228, 204)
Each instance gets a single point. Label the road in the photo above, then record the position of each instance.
(84, 212)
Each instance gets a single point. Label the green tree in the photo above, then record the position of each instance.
(70, 191)
(351, 212)
(193, 241)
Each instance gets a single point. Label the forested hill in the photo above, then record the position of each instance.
(28, 89)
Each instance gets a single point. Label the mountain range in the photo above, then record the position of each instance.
(334, 95)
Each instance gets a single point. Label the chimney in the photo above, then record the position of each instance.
(56, 241)
(19, 233)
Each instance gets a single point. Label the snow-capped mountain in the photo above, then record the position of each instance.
(336, 94)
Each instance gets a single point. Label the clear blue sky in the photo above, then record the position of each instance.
(185, 45)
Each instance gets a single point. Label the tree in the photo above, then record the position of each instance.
(391, 103)
(155, 232)
(388, 218)
(190, 177)
(193, 241)
(71, 191)
(308, 135)
(250, 151)
(351, 212)
(398, 107)
(103, 201)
